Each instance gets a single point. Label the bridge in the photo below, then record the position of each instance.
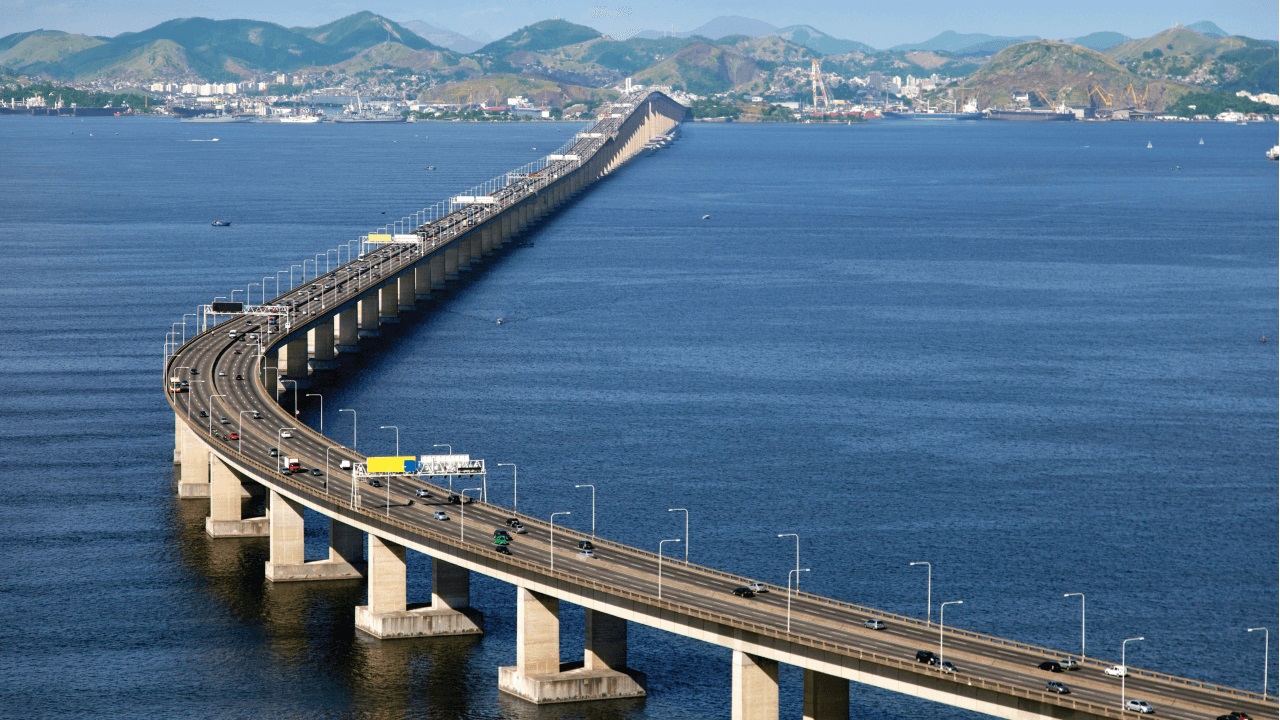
(233, 437)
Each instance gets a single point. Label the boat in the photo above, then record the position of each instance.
(1148, 144)
(1030, 115)
(221, 223)
(1201, 141)
(1274, 153)
(300, 119)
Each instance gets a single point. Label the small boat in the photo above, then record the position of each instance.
(1274, 153)
(706, 217)
(429, 167)
(499, 321)
(1201, 141)
(1148, 144)
(221, 223)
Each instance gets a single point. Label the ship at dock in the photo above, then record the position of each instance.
(1030, 115)
(968, 112)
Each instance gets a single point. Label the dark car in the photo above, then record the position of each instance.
(586, 545)
(925, 656)
(195, 371)
(743, 592)
(1235, 715)
(316, 471)
(503, 549)
(516, 525)
(204, 414)
(286, 471)
(1054, 686)
(239, 376)
(1050, 665)
(500, 533)
(274, 452)
(374, 482)
(456, 500)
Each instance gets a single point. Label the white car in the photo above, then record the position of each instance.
(874, 624)
(286, 434)
(1139, 706)
(422, 492)
(442, 515)
(1116, 671)
(757, 587)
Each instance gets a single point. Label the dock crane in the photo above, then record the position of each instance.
(1141, 104)
(1100, 93)
(820, 97)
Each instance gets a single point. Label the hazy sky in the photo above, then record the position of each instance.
(880, 24)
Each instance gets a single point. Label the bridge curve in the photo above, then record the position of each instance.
(328, 316)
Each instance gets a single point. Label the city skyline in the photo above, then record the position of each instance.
(879, 26)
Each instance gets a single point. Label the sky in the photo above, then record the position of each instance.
(880, 24)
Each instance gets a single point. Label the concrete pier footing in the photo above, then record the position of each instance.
(755, 687)
(288, 558)
(225, 513)
(388, 614)
(826, 697)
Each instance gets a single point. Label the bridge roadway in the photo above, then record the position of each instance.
(996, 676)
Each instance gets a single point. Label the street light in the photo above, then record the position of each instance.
(326, 466)
(295, 391)
(397, 429)
(1125, 667)
(444, 445)
(928, 597)
(515, 485)
(795, 572)
(1081, 595)
(354, 427)
(1266, 657)
(552, 545)
(462, 524)
(797, 537)
(322, 410)
(942, 623)
(686, 531)
(660, 544)
(593, 507)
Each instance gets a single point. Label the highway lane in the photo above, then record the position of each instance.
(628, 569)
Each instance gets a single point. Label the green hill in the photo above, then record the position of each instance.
(705, 69)
(363, 30)
(495, 89)
(39, 48)
(1183, 55)
(539, 37)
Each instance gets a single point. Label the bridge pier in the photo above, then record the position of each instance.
(389, 615)
(755, 687)
(287, 562)
(323, 356)
(295, 353)
(389, 303)
(464, 252)
(538, 675)
(422, 280)
(450, 262)
(349, 330)
(226, 517)
(406, 289)
(488, 234)
(826, 697)
(369, 321)
(436, 263)
(193, 474)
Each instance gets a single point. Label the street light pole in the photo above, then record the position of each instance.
(1124, 666)
(515, 485)
(942, 623)
(1081, 595)
(354, 426)
(1266, 657)
(660, 544)
(552, 544)
(593, 507)
(397, 429)
(795, 572)
(295, 392)
(928, 597)
(797, 537)
(322, 410)
(443, 445)
(686, 531)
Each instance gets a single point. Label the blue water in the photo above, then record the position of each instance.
(1030, 354)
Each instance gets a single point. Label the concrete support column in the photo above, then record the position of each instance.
(285, 521)
(389, 303)
(422, 281)
(389, 614)
(369, 320)
(178, 427)
(826, 697)
(451, 261)
(346, 544)
(755, 687)
(606, 642)
(323, 356)
(193, 476)
(349, 330)
(537, 633)
(225, 496)
(437, 271)
(450, 586)
(406, 288)
(489, 239)
(465, 255)
(288, 560)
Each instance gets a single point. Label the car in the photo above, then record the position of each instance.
(274, 452)
(586, 545)
(1235, 715)
(375, 482)
(233, 436)
(503, 549)
(257, 415)
(586, 553)
(222, 373)
(194, 370)
(758, 587)
(286, 471)
(456, 500)
(238, 351)
(186, 383)
(1056, 687)
(500, 533)
(286, 434)
(422, 492)
(1139, 706)
(1117, 671)
(947, 667)
(873, 624)
(744, 592)
(204, 414)
(316, 471)
(925, 656)
(1069, 664)
(441, 515)
(224, 420)
(239, 376)
(1050, 665)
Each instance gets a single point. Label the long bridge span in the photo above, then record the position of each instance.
(227, 379)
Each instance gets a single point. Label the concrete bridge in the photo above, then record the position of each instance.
(236, 369)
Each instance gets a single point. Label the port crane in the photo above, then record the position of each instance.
(1100, 93)
(1138, 104)
(820, 97)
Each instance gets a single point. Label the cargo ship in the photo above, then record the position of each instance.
(1030, 115)
(968, 112)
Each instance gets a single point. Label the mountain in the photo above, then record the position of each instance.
(1065, 73)
(545, 35)
(820, 42)
(444, 37)
(768, 52)
(33, 50)
(705, 69)
(1100, 41)
(1183, 55)
(726, 25)
(363, 30)
(1176, 40)
(1208, 29)
(965, 43)
(494, 89)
